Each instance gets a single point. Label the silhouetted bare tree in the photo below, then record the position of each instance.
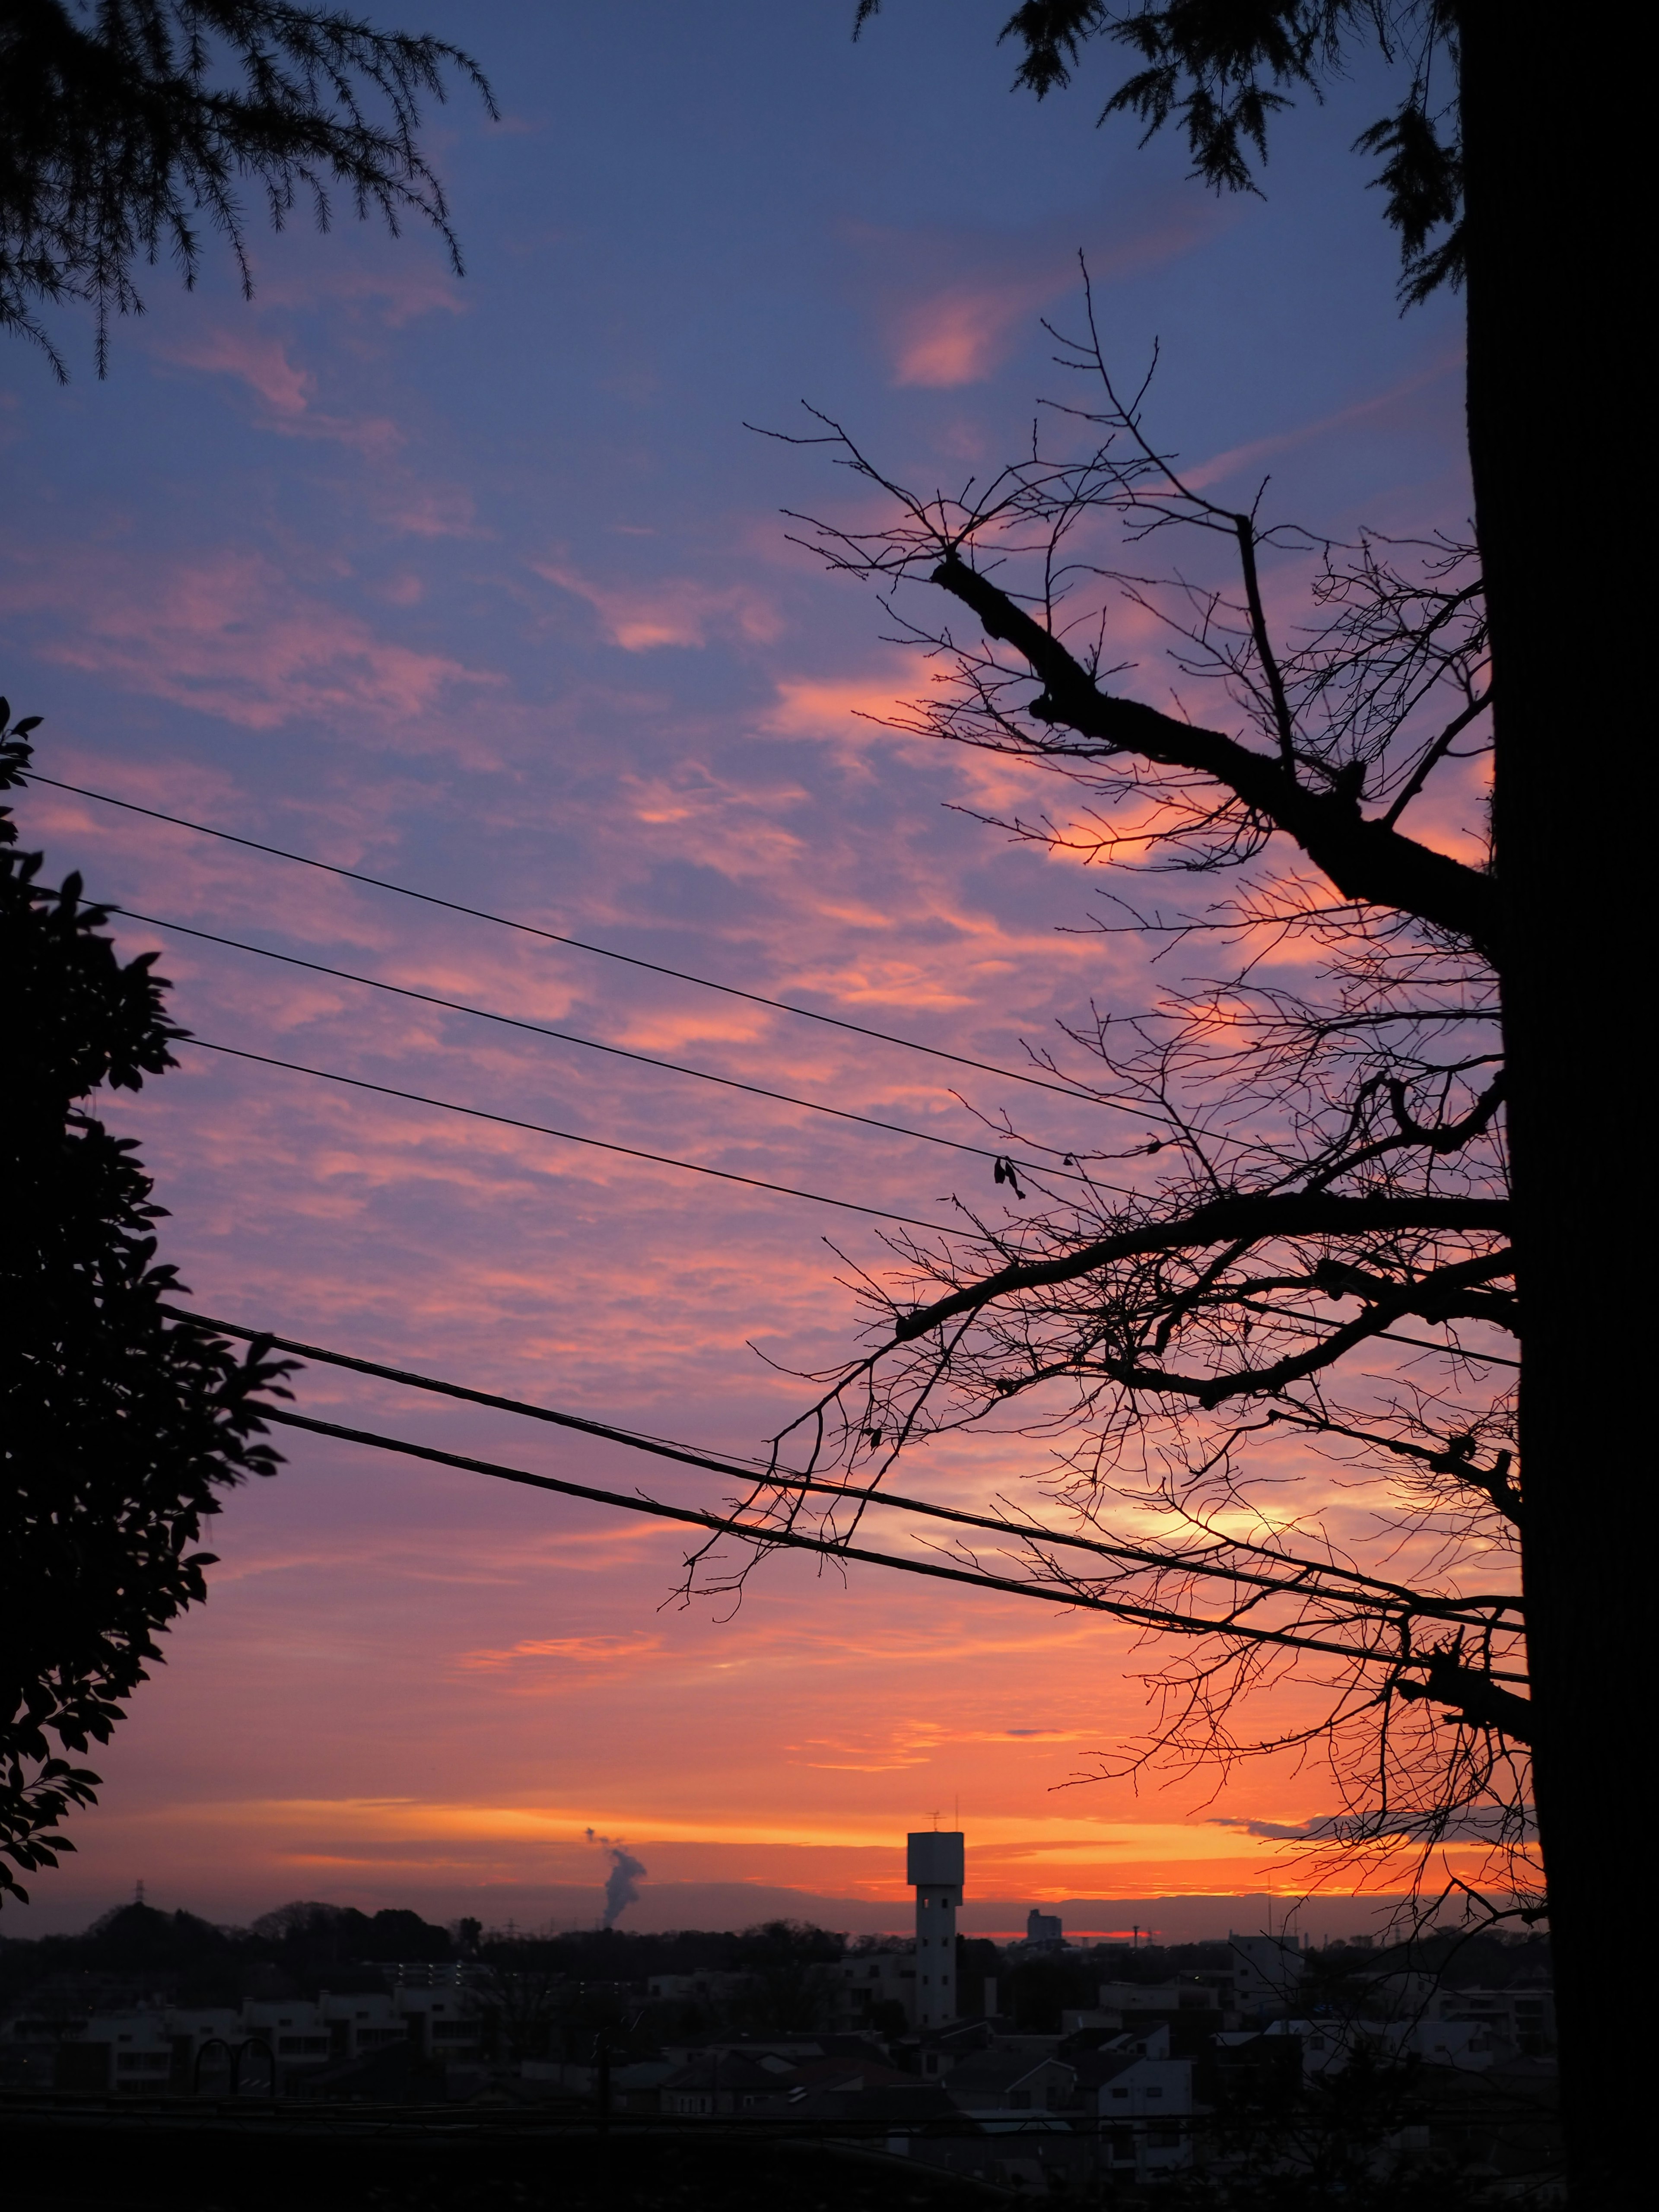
(518, 2007)
(1264, 1319)
(1505, 153)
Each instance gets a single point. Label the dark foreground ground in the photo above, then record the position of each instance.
(81, 2156)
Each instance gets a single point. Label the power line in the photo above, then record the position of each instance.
(721, 1524)
(1450, 1350)
(1075, 1094)
(570, 1137)
(768, 1538)
(590, 1044)
(764, 1473)
(556, 937)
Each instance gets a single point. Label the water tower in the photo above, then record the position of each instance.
(933, 1867)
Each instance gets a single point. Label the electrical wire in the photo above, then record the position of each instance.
(569, 1136)
(1472, 1609)
(577, 944)
(1450, 1350)
(593, 1044)
(768, 1538)
(1075, 1093)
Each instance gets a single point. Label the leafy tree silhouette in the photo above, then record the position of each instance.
(118, 1429)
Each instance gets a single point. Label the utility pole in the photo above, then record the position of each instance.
(604, 2085)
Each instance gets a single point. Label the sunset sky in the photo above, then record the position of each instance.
(482, 585)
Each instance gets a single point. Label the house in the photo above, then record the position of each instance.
(1247, 2066)
(638, 2087)
(1127, 1997)
(1328, 2044)
(705, 1989)
(946, 2048)
(359, 2022)
(1525, 2016)
(1266, 1969)
(295, 2033)
(439, 2019)
(1471, 2045)
(866, 1979)
(790, 2048)
(1191, 2010)
(717, 2084)
(1145, 2107)
(126, 2051)
(1000, 2085)
(1149, 2039)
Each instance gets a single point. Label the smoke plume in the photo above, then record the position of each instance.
(621, 1883)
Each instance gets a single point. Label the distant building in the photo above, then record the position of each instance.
(1268, 1970)
(439, 2020)
(1044, 1931)
(128, 2050)
(1144, 2110)
(934, 1867)
(717, 2081)
(863, 1980)
(1002, 2085)
(1524, 2015)
(265, 2046)
(711, 1987)
(360, 2022)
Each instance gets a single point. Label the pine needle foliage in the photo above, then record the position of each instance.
(1221, 69)
(129, 127)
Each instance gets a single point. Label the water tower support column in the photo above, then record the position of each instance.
(934, 1867)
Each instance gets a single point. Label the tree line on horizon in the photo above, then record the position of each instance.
(308, 1940)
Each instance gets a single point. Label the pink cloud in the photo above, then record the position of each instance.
(258, 358)
(603, 1650)
(959, 331)
(231, 636)
(259, 361)
(807, 708)
(402, 287)
(674, 610)
(959, 336)
(1257, 450)
(435, 511)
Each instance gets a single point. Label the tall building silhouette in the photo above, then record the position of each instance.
(933, 1867)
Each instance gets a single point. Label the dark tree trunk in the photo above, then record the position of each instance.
(1554, 417)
